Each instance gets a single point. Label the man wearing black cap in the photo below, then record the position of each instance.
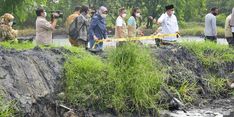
(169, 23)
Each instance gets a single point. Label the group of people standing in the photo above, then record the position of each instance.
(211, 28)
(91, 25)
(92, 28)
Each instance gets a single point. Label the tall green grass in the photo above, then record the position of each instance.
(128, 81)
(217, 86)
(209, 53)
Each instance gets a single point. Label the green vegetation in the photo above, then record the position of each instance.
(6, 108)
(217, 86)
(209, 53)
(17, 46)
(212, 55)
(186, 10)
(127, 82)
(188, 92)
(197, 29)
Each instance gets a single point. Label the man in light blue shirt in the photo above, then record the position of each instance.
(210, 25)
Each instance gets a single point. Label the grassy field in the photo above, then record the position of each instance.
(197, 29)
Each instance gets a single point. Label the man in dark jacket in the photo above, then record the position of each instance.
(97, 29)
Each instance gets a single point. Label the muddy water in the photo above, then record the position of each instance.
(210, 111)
(206, 108)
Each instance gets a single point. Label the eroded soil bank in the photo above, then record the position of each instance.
(34, 78)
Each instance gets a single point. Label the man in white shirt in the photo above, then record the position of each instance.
(210, 25)
(169, 23)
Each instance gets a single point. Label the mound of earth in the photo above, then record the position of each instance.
(34, 77)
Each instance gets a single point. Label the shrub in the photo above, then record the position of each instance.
(127, 81)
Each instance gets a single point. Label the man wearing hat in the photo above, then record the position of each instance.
(169, 24)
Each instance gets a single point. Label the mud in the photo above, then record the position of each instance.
(31, 77)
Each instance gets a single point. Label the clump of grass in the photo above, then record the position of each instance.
(17, 46)
(188, 92)
(6, 108)
(127, 81)
(137, 76)
(217, 86)
(85, 81)
(209, 53)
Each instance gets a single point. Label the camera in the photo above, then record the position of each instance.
(58, 12)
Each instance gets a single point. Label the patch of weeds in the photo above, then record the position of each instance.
(217, 86)
(188, 92)
(6, 108)
(209, 53)
(17, 46)
(78, 51)
(127, 81)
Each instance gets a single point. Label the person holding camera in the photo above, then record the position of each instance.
(44, 28)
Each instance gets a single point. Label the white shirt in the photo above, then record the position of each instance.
(43, 31)
(120, 22)
(169, 26)
(210, 25)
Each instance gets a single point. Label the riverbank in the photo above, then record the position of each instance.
(70, 77)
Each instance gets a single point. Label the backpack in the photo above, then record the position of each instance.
(73, 32)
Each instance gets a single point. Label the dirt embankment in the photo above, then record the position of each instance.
(34, 77)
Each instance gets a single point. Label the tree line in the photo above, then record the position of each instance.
(186, 10)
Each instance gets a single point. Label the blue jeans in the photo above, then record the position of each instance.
(98, 46)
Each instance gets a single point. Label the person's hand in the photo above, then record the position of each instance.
(177, 34)
(108, 40)
(141, 33)
(95, 38)
(55, 14)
